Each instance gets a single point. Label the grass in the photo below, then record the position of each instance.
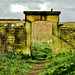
(40, 50)
(60, 64)
(15, 64)
(20, 64)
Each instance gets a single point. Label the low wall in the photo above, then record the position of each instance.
(67, 36)
(13, 35)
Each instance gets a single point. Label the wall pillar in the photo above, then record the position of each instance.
(28, 37)
(55, 39)
(55, 35)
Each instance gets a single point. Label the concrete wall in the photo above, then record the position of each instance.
(51, 18)
(13, 31)
(13, 36)
(67, 36)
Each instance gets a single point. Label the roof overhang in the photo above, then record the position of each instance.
(42, 12)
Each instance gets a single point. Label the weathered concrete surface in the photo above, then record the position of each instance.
(14, 30)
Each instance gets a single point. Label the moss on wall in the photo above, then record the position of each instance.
(12, 34)
(67, 34)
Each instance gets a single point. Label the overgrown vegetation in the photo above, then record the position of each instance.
(40, 50)
(20, 64)
(15, 63)
(60, 64)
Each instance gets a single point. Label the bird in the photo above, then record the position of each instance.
(52, 9)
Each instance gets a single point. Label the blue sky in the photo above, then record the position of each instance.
(13, 9)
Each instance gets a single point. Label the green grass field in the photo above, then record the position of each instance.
(21, 64)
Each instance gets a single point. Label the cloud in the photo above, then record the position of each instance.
(16, 8)
(43, 6)
(46, 6)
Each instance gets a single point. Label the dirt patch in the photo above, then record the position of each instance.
(37, 67)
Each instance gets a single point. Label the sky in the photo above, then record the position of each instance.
(13, 9)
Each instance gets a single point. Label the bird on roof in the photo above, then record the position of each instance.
(51, 9)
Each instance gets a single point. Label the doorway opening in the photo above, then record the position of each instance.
(41, 38)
